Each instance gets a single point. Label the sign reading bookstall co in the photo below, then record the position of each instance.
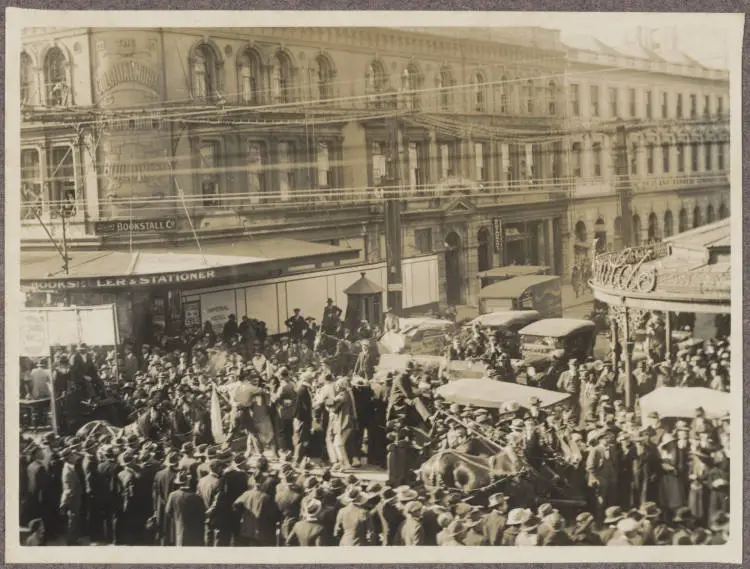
(126, 226)
(119, 282)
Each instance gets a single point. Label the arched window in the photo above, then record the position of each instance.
(322, 78)
(682, 224)
(479, 89)
(411, 83)
(581, 233)
(528, 95)
(281, 79)
(636, 230)
(56, 78)
(653, 228)
(27, 79)
(249, 77)
(668, 224)
(723, 212)
(445, 81)
(484, 251)
(205, 66)
(618, 233)
(376, 77)
(710, 215)
(697, 217)
(552, 98)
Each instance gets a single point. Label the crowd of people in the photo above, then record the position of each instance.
(245, 440)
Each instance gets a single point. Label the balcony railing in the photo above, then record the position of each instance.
(680, 181)
(634, 271)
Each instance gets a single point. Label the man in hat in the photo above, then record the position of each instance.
(583, 532)
(642, 464)
(284, 400)
(331, 317)
(259, 515)
(297, 325)
(185, 513)
(127, 529)
(612, 516)
(163, 486)
(210, 489)
(310, 531)
(386, 517)
(602, 472)
(473, 522)
(516, 518)
(72, 495)
(302, 416)
(555, 533)
(495, 520)
(38, 485)
(569, 380)
(353, 523)
(411, 531)
(684, 523)
(627, 533)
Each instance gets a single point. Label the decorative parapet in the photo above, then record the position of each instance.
(632, 271)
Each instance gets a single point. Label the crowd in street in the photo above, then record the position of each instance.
(303, 418)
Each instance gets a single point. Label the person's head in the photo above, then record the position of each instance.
(36, 527)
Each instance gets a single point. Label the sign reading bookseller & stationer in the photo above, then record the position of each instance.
(119, 282)
(127, 226)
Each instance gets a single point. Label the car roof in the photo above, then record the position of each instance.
(556, 327)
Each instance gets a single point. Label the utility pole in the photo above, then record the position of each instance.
(392, 215)
(623, 188)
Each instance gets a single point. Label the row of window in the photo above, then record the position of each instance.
(54, 90)
(654, 231)
(646, 110)
(707, 149)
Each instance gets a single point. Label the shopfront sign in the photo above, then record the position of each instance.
(128, 226)
(119, 282)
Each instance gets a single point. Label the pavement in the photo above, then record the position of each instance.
(576, 307)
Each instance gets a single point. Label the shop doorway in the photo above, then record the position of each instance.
(453, 269)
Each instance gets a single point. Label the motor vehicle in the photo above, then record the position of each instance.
(528, 292)
(564, 338)
(505, 325)
(418, 336)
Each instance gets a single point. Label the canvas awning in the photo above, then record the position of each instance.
(681, 402)
(496, 394)
(42, 270)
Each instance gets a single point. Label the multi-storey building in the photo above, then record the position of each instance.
(674, 121)
(504, 145)
(283, 132)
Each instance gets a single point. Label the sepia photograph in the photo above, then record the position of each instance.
(280, 280)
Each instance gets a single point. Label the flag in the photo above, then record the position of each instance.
(217, 427)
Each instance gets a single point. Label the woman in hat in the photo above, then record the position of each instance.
(671, 488)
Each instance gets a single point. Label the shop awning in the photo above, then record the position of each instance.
(515, 287)
(148, 267)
